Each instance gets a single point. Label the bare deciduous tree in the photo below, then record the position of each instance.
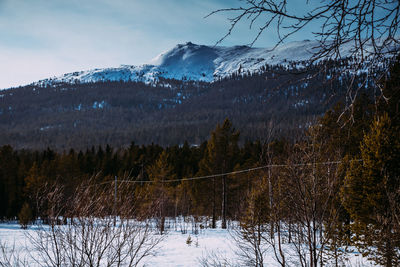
(295, 219)
(370, 27)
(311, 189)
(86, 234)
(215, 259)
(10, 256)
(249, 238)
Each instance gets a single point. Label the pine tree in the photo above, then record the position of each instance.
(220, 157)
(160, 189)
(25, 215)
(371, 193)
(35, 184)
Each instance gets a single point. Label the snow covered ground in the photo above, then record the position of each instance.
(173, 251)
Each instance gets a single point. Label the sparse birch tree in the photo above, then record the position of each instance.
(89, 237)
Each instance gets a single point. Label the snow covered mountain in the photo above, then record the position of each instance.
(73, 112)
(195, 62)
(202, 63)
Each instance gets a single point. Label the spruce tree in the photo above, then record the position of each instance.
(220, 157)
(159, 173)
(371, 193)
(25, 215)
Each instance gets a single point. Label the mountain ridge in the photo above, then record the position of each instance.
(195, 62)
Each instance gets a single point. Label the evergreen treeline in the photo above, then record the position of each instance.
(24, 173)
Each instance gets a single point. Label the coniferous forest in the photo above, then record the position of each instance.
(336, 183)
(169, 112)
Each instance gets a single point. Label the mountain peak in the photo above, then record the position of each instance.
(196, 62)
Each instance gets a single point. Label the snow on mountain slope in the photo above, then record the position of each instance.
(196, 62)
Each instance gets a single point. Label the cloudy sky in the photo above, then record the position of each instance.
(44, 38)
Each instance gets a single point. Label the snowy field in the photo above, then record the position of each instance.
(174, 250)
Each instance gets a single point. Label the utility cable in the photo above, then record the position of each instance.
(232, 173)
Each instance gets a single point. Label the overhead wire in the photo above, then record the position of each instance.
(231, 173)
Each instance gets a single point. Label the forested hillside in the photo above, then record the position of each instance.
(168, 112)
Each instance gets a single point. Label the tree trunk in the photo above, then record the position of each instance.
(389, 250)
(162, 225)
(224, 202)
(214, 220)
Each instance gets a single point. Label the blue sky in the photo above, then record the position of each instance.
(43, 38)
